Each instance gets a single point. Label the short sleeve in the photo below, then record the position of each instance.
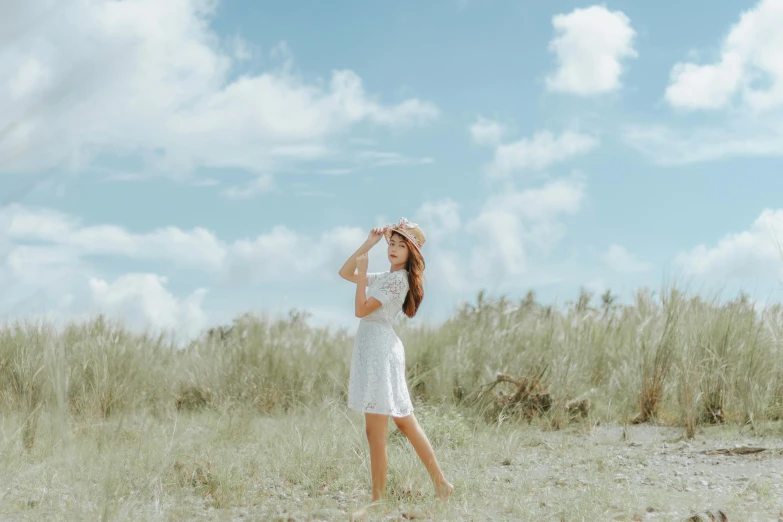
(390, 288)
(372, 277)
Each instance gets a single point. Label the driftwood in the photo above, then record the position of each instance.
(578, 408)
(529, 398)
(716, 516)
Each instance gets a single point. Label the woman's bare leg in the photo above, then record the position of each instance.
(377, 429)
(409, 426)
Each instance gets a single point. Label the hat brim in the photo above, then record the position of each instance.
(390, 231)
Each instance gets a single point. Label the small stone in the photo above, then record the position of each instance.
(651, 509)
(506, 462)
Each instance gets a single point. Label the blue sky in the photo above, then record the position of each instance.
(178, 164)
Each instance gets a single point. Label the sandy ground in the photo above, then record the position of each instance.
(581, 473)
(651, 474)
(648, 473)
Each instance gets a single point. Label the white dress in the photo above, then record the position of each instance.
(377, 381)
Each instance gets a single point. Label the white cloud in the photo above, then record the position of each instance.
(496, 245)
(590, 45)
(500, 247)
(561, 196)
(31, 77)
(753, 253)
(241, 49)
(751, 55)
(447, 269)
(46, 255)
(142, 302)
(487, 132)
(47, 239)
(374, 158)
(619, 259)
(151, 79)
(514, 224)
(285, 255)
(704, 86)
(743, 88)
(41, 265)
(260, 185)
(197, 247)
(745, 137)
(539, 152)
(439, 218)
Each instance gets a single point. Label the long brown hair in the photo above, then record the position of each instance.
(415, 268)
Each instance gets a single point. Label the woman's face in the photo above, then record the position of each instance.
(398, 250)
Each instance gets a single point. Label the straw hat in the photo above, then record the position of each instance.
(410, 230)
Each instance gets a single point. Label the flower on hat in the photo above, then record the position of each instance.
(410, 230)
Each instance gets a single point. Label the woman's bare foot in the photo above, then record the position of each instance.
(444, 491)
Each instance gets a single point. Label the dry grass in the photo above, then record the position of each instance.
(313, 464)
(126, 426)
(671, 360)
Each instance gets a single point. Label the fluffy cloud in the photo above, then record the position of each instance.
(439, 218)
(750, 56)
(500, 239)
(591, 45)
(753, 253)
(619, 259)
(487, 132)
(746, 83)
(51, 240)
(513, 223)
(197, 248)
(739, 137)
(260, 185)
(562, 196)
(539, 152)
(284, 255)
(500, 247)
(152, 80)
(142, 302)
(46, 263)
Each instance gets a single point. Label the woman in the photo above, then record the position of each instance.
(377, 384)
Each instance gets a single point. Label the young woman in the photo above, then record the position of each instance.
(377, 384)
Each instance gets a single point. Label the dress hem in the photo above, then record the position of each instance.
(390, 414)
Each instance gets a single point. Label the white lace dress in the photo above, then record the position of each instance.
(377, 381)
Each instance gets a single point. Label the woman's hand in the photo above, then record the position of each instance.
(361, 264)
(375, 235)
(349, 268)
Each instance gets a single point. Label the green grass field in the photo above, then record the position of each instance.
(250, 423)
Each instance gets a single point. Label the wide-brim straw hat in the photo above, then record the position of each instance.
(412, 231)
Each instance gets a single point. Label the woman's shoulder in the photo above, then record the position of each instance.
(401, 275)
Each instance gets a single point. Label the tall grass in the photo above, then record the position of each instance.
(249, 420)
(671, 359)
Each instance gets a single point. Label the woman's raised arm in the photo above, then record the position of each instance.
(348, 270)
